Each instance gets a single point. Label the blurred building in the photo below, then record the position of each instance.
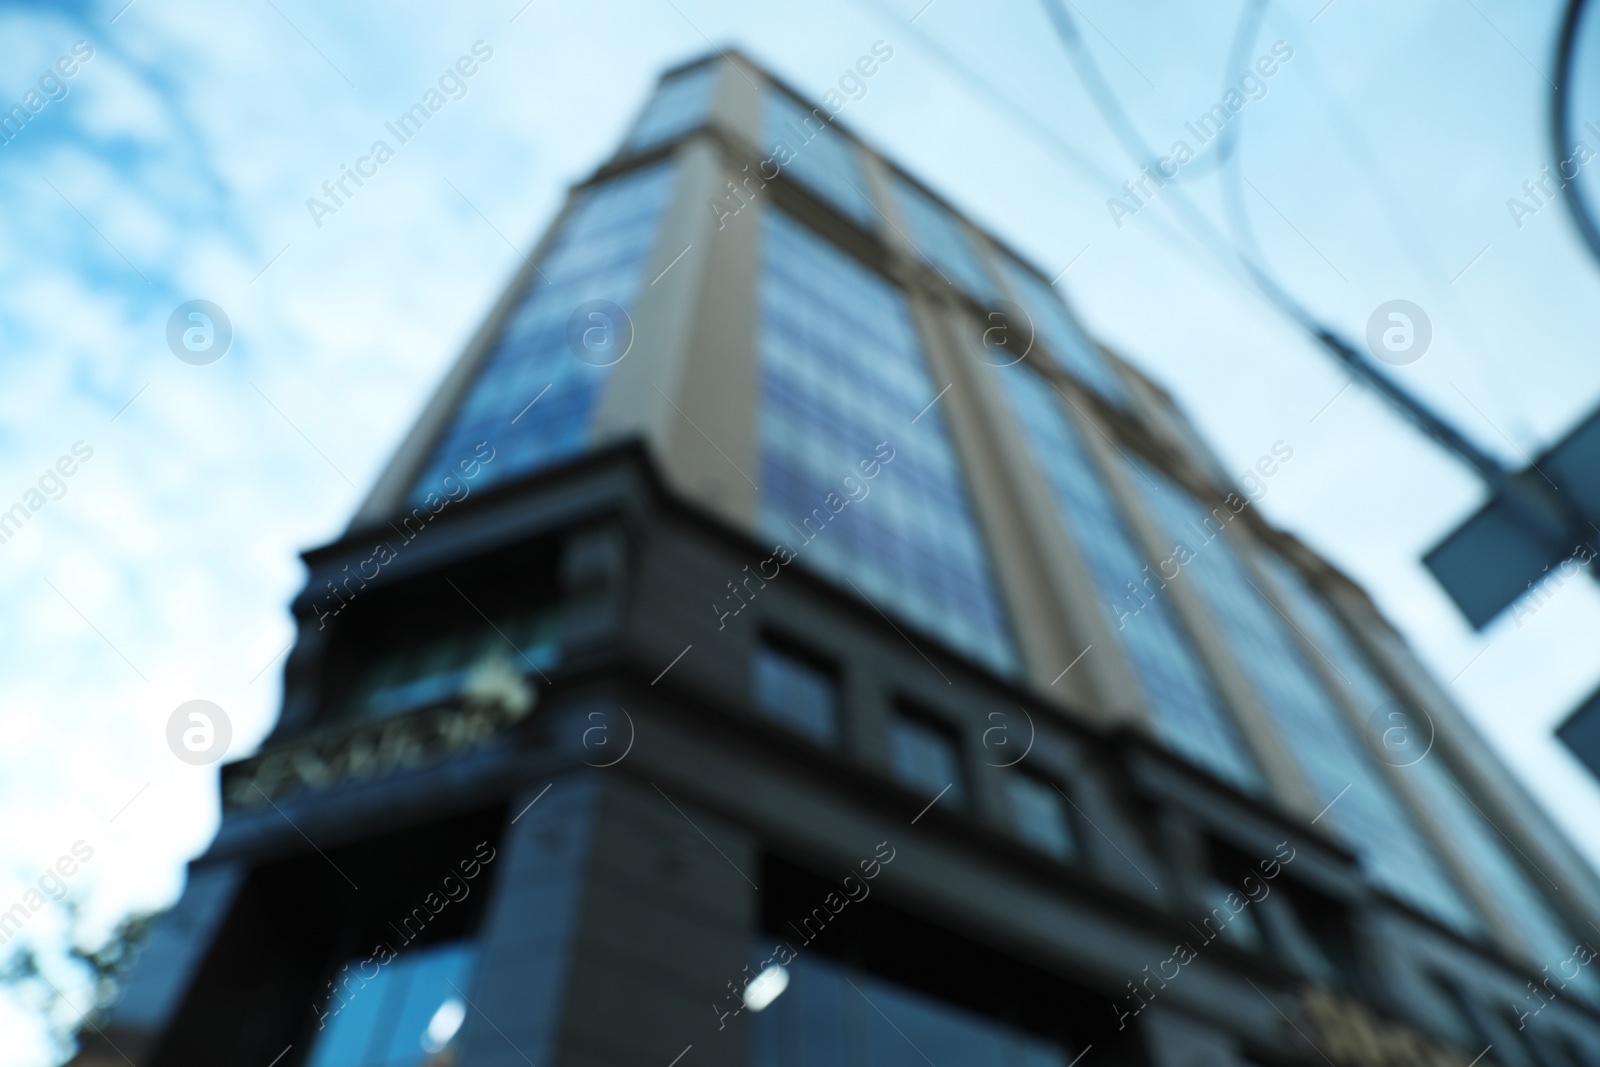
(786, 639)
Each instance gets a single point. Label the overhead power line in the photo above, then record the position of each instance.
(1020, 118)
(1583, 213)
(1544, 518)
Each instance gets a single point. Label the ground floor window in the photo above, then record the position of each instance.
(831, 1015)
(405, 1015)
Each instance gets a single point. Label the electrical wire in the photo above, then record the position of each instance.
(1583, 214)
(1411, 239)
(1226, 253)
(1546, 520)
(1021, 119)
(1122, 127)
(1233, 260)
(1230, 162)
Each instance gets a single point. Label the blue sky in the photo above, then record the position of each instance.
(178, 166)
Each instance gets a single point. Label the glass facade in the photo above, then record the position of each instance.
(940, 239)
(403, 1017)
(805, 146)
(533, 396)
(858, 474)
(1366, 813)
(796, 693)
(831, 1015)
(1188, 713)
(1407, 743)
(926, 758)
(1061, 336)
(681, 103)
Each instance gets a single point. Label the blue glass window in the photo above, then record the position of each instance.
(844, 390)
(1188, 713)
(404, 1017)
(1054, 326)
(926, 757)
(819, 157)
(796, 693)
(1239, 927)
(1408, 745)
(599, 254)
(941, 241)
(680, 103)
(830, 1015)
(1363, 809)
(1040, 815)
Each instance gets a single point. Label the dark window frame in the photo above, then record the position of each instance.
(806, 656)
(1074, 844)
(945, 726)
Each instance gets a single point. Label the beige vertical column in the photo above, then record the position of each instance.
(1278, 766)
(1108, 671)
(1011, 502)
(688, 385)
(1065, 606)
(1013, 526)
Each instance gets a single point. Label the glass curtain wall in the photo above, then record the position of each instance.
(534, 396)
(844, 391)
(1188, 712)
(1360, 805)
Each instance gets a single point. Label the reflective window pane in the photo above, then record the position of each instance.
(598, 255)
(926, 757)
(833, 1016)
(1363, 809)
(859, 479)
(1189, 715)
(407, 1015)
(681, 103)
(940, 240)
(1055, 328)
(796, 693)
(1040, 815)
(804, 145)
